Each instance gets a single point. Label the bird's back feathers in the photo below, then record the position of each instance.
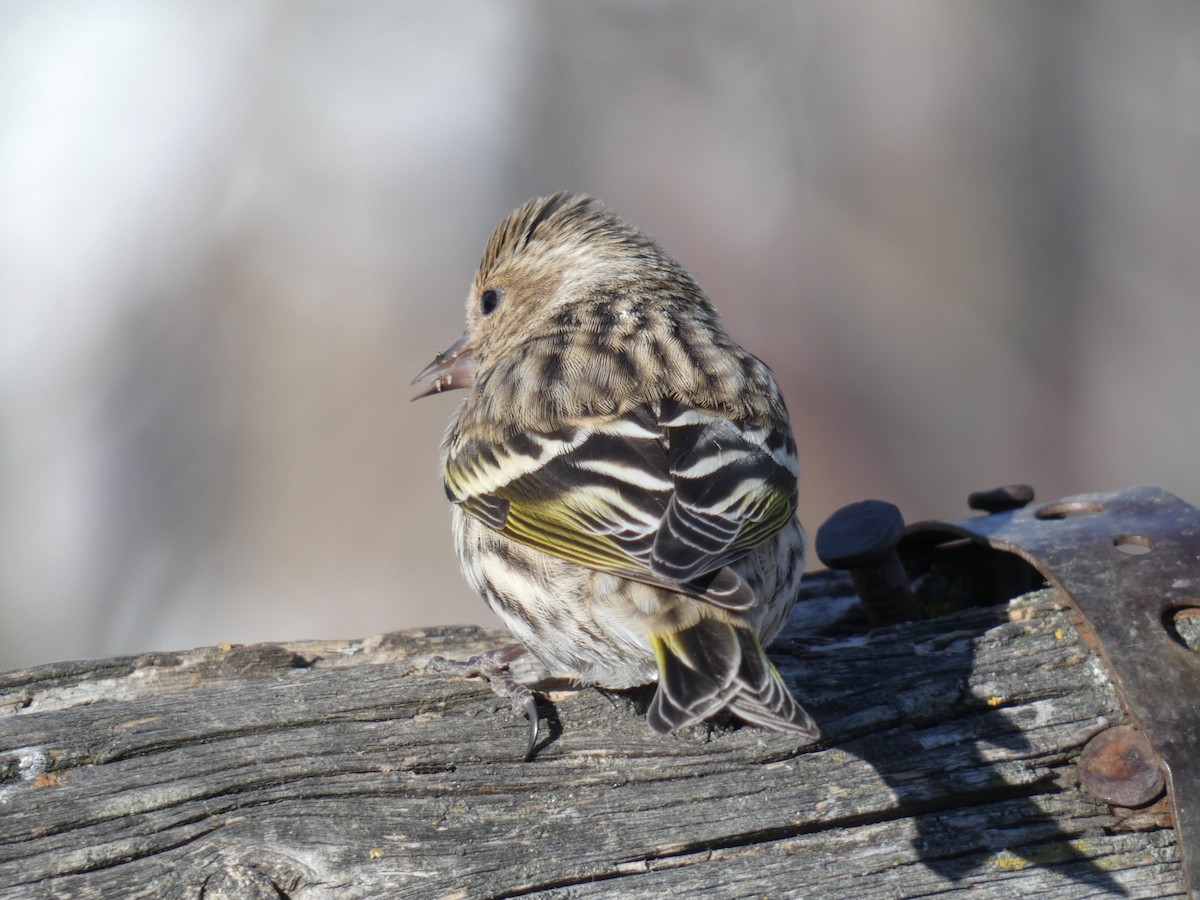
(666, 494)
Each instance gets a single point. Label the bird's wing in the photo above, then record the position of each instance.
(734, 487)
(667, 494)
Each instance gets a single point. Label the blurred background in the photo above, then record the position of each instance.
(965, 236)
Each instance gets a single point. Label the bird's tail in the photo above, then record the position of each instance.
(714, 666)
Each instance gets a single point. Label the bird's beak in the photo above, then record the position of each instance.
(452, 368)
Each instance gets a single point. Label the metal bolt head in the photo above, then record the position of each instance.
(1001, 499)
(859, 534)
(861, 538)
(1120, 767)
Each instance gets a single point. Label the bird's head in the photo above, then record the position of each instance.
(551, 268)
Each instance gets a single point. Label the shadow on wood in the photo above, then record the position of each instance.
(340, 769)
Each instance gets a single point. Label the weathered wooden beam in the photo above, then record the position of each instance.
(340, 769)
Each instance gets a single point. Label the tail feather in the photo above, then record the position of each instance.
(715, 666)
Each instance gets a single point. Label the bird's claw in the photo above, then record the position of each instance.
(493, 665)
(531, 712)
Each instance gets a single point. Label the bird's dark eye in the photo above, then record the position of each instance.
(489, 300)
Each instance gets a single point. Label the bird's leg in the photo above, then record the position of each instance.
(493, 665)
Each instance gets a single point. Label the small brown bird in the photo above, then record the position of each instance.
(622, 474)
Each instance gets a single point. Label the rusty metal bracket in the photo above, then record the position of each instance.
(1130, 563)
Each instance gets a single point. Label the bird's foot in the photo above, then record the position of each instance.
(493, 665)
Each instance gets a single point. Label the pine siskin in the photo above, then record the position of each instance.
(622, 474)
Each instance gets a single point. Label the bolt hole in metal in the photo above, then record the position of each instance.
(1133, 544)
(1183, 625)
(1069, 510)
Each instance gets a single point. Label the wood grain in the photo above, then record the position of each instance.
(340, 769)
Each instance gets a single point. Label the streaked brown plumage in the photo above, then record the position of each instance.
(622, 473)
